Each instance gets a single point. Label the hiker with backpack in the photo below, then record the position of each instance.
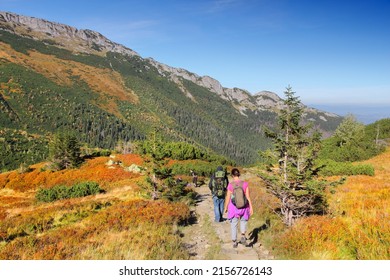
(194, 178)
(217, 185)
(238, 207)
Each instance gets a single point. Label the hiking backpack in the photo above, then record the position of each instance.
(219, 184)
(238, 195)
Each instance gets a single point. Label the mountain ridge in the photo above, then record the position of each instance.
(60, 31)
(90, 73)
(100, 44)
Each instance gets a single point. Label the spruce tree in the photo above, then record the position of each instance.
(350, 131)
(64, 151)
(294, 180)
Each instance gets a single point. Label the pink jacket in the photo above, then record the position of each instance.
(233, 211)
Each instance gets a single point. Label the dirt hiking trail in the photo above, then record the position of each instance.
(206, 239)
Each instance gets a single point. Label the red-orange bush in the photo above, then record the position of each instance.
(134, 212)
(14, 201)
(93, 170)
(149, 218)
(130, 159)
(3, 214)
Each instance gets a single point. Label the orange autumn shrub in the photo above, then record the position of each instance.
(93, 170)
(3, 214)
(22, 225)
(261, 199)
(77, 243)
(60, 244)
(138, 211)
(357, 227)
(45, 217)
(130, 183)
(3, 179)
(14, 201)
(130, 159)
(142, 222)
(14, 180)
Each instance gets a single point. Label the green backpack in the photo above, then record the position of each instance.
(219, 184)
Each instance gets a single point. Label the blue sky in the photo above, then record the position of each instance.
(330, 52)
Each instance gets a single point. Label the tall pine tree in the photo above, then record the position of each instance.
(294, 180)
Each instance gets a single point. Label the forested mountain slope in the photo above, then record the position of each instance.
(56, 77)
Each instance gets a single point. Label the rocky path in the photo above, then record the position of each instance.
(206, 239)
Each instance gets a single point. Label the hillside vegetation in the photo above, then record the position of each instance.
(119, 223)
(357, 226)
(112, 97)
(107, 206)
(103, 99)
(122, 222)
(105, 209)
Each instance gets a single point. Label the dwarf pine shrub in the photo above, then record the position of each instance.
(63, 192)
(333, 168)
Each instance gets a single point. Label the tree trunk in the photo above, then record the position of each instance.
(285, 158)
(377, 135)
(288, 217)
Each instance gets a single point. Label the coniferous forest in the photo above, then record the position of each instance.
(38, 100)
(115, 98)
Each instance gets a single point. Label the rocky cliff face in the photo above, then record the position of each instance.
(88, 41)
(261, 101)
(77, 40)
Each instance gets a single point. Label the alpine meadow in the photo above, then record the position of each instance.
(98, 144)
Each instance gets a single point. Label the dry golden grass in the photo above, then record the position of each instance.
(358, 226)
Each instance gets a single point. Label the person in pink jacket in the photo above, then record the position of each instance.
(234, 215)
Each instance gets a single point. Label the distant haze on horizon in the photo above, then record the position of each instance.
(364, 113)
